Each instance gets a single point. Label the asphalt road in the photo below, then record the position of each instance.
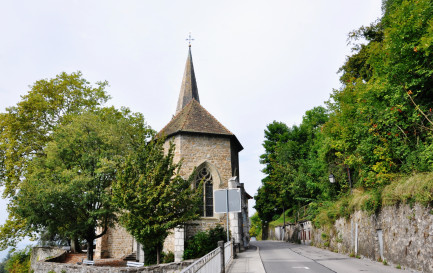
(279, 257)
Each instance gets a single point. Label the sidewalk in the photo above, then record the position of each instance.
(247, 261)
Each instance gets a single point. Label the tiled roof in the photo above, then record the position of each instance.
(194, 119)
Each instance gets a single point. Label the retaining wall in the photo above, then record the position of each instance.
(49, 259)
(401, 235)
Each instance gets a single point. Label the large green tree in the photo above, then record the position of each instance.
(26, 128)
(378, 125)
(68, 190)
(381, 117)
(153, 198)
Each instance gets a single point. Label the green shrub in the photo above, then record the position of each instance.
(203, 242)
(19, 261)
(168, 257)
(373, 203)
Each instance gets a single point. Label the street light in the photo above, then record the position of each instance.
(331, 178)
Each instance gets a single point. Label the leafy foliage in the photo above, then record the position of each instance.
(152, 197)
(377, 126)
(26, 128)
(204, 242)
(67, 191)
(17, 261)
(256, 226)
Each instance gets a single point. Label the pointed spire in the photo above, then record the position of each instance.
(188, 89)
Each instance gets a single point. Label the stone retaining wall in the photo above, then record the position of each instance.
(401, 235)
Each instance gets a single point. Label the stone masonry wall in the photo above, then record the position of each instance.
(197, 149)
(43, 267)
(221, 158)
(116, 243)
(217, 152)
(399, 234)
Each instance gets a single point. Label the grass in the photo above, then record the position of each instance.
(280, 221)
(408, 190)
(412, 189)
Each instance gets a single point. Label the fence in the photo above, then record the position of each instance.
(228, 253)
(212, 262)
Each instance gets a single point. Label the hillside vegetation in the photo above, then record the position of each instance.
(374, 134)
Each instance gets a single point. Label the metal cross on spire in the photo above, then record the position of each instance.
(189, 39)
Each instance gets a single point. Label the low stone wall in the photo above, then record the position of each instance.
(43, 267)
(49, 259)
(47, 253)
(401, 235)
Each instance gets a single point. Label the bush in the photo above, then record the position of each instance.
(19, 261)
(203, 242)
(168, 257)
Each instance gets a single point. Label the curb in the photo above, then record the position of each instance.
(260, 256)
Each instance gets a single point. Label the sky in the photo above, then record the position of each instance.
(255, 61)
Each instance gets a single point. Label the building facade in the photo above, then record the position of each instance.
(211, 152)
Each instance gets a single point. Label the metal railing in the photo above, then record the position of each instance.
(211, 262)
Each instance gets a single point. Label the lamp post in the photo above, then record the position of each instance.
(332, 178)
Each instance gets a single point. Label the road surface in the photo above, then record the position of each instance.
(279, 257)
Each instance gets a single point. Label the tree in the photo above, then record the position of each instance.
(152, 197)
(294, 166)
(381, 116)
(26, 128)
(17, 261)
(67, 191)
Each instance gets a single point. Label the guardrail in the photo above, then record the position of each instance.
(214, 262)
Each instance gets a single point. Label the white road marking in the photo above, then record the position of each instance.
(304, 267)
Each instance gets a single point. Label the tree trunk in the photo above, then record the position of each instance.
(90, 249)
(265, 232)
(75, 245)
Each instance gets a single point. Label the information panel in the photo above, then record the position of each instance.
(220, 200)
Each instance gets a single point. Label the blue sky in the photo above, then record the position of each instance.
(255, 61)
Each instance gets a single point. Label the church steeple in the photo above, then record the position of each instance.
(188, 89)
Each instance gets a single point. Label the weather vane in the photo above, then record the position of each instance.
(189, 39)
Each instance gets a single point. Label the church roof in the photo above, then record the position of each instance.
(188, 89)
(195, 119)
(190, 116)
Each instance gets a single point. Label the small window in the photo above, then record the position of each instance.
(207, 206)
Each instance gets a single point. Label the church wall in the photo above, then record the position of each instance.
(216, 151)
(169, 243)
(196, 149)
(116, 243)
(235, 160)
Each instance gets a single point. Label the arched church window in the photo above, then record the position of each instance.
(207, 206)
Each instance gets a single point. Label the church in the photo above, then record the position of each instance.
(204, 145)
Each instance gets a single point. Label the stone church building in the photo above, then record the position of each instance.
(204, 145)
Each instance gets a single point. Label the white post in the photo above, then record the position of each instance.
(227, 212)
(179, 244)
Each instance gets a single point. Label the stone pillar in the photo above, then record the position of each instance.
(179, 244)
(235, 218)
(140, 253)
(221, 246)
